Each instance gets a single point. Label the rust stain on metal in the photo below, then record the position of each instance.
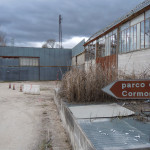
(10, 57)
(107, 62)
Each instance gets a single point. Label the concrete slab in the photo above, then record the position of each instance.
(98, 111)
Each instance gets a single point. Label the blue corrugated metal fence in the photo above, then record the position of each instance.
(53, 63)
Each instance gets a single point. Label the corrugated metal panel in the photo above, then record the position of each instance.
(29, 73)
(1, 59)
(11, 73)
(52, 73)
(19, 51)
(79, 48)
(135, 10)
(55, 57)
(9, 62)
(2, 75)
(48, 56)
(50, 60)
(107, 62)
(9, 69)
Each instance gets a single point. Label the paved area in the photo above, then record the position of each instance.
(30, 122)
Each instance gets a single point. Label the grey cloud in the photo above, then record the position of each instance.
(37, 20)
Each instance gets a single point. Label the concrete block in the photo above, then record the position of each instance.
(31, 89)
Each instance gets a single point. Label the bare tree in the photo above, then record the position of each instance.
(44, 45)
(50, 43)
(2, 39)
(56, 45)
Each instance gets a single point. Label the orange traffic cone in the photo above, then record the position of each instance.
(9, 85)
(20, 88)
(13, 86)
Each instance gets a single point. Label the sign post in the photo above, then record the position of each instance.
(129, 89)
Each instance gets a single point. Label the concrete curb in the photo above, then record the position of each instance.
(78, 139)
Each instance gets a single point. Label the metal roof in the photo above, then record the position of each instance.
(78, 49)
(132, 12)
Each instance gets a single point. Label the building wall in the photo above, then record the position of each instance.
(81, 59)
(53, 63)
(78, 55)
(126, 46)
(74, 61)
(134, 50)
(90, 63)
(136, 62)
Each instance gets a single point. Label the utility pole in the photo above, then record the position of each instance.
(60, 32)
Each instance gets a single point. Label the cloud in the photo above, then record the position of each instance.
(68, 43)
(35, 21)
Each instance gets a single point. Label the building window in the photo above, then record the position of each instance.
(30, 62)
(142, 34)
(132, 38)
(135, 37)
(90, 51)
(128, 39)
(147, 33)
(147, 14)
(101, 47)
(107, 45)
(123, 41)
(113, 44)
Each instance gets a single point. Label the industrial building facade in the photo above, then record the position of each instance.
(33, 64)
(78, 55)
(125, 44)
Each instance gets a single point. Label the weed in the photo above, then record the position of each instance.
(85, 86)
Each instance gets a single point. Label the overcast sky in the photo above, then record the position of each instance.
(31, 22)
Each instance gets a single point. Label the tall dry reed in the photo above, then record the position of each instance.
(85, 86)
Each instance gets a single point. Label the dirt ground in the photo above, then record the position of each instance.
(30, 122)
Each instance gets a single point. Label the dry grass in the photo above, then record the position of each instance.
(81, 86)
